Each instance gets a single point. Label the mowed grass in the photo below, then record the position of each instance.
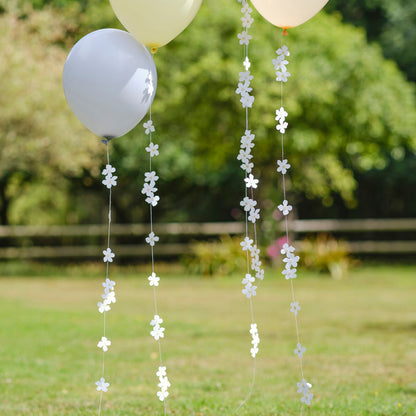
(360, 335)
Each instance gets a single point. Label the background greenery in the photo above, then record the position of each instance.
(353, 115)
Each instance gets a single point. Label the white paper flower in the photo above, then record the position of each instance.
(108, 255)
(109, 298)
(285, 208)
(281, 114)
(254, 215)
(307, 399)
(153, 279)
(246, 63)
(104, 343)
(162, 395)
(243, 88)
(303, 387)
(260, 274)
(102, 385)
(110, 181)
(283, 51)
(294, 308)
(251, 182)
(249, 290)
(282, 126)
(248, 279)
(291, 261)
(157, 332)
(282, 76)
(108, 285)
(286, 249)
(108, 170)
(283, 166)
(247, 139)
(244, 154)
(244, 38)
(152, 239)
(148, 125)
(248, 203)
(153, 200)
(247, 100)
(103, 307)
(149, 188)
(289, 273)
(150, 177)
(247, 167)
(157, 320)
(246, 244)
(164, 383)
(255, 252)
(299, 350)
(280, 63)
(161, 372)
(153, 149)
(245, 76)
(246, 8)
(246, 21)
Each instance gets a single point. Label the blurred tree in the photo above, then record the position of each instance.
(41, 142)
(392, 23)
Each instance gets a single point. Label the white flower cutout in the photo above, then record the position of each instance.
(157, 332)
(282, 126)
(110, 181)
(248, 203)
(108, 170)
(247, 63)
(294, 308)
(153, 149)
(246, 244)
(291, 261)
(281, 114)
(285, 208)
(247, 100)
(249, 290)
(247, 21)
(299, 350)
(246, 8)
(108, 285)
(162, 394)
(161, 372)
(248, 279)
(283, 166)
(153, 279)
(102, 385)
(149, 127)
(244, 38)
(282, 76)
(303, 387)
(150, 176)
(108, 255)
(152, 239)
(307, 399)
(254, 215)
(103, 307)
(283, 51)
(104, 343)
(157, 320)
(286, 249)
(289, 273)
(251, 182)
(245, 76)
(153, 200)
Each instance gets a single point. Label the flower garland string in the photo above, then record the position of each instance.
(290, 260)
(249, 204)
(149, 190)
(109, 295)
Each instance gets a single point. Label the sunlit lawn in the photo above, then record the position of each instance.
(360, 335)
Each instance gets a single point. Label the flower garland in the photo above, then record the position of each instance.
(290, 260)
(149, 190)
(109, 295)
(249, 204)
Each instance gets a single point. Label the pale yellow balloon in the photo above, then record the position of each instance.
(288, 13)
(155, 22)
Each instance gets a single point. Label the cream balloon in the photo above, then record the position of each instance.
(155, 22)
(288, 13)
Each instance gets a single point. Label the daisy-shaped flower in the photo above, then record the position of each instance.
(255, 252)
(249, 290)
(102, 385)
(255, 263)
(254, 351)
(282, 76)
(281, 114)
(157, 332)
(246, 244)
(247, 139)
(248, 203)
(289, 273)
(244, 38)
(248, 279)
(162, 394)
(109, 298)
(283, 51)
(104, 343)
(282, 126)
(283, 166)
(260, 274)
(247, 100)
(291, 261)
(149, 188)
(303, 387)
(152, 239)
(164, 383)
(108, 255)
(246, 63)
(286, 249)
(153, 279)
(157, 320)
(108, 170)
(244, 155)
(245, 76)
(108, 285)
(280, 63)
(153, 149)
(246, 8)
(294, 308)
(285, 208)
(151, 177)
(103, 307)
(242, 88)
(153, 200)
(307, 399)
(251, 182)
(110, 181)
(247, 166)
(161, 372)
(299, 350)
(246, 21)
(254, 215)
(149, 127)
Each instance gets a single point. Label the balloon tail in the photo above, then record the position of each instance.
(107, 139)
(153, 50)
(285, 32)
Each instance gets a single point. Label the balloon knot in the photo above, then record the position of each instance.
(285, 32)
(107, 139)
(153, 50)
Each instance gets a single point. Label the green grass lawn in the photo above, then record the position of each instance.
(360, 335)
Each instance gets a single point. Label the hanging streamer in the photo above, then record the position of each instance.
(290, 260)
(109, 295)
(249, 204)
(149, 190)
